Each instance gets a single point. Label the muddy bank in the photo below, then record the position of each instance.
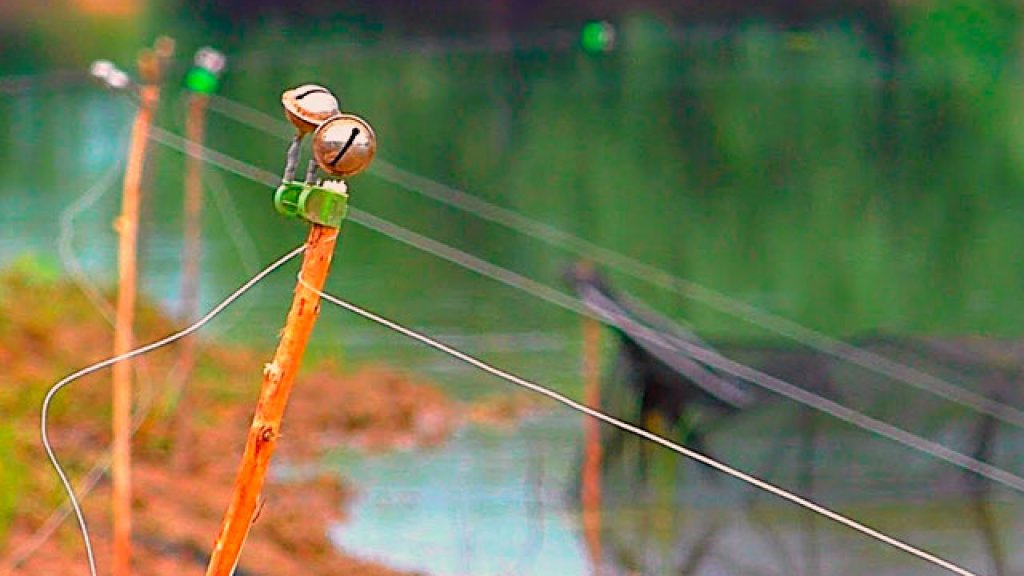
(185, 462)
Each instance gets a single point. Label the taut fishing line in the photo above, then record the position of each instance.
(642, 433)
(647, 273)
(244, 246)
(65, 239)
(65, 248)
(44, 412)
(508, 277)
(620, 262)
(260, 175)
(458, 257)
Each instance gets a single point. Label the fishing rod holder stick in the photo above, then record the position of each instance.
(151, 65)
(201, 82)
(345, 150)
(278, 381)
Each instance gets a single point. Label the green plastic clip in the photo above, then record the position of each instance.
(204, 77)
(315, 204)
(202, 81)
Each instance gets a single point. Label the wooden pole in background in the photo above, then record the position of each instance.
(195, 129)
(278, 378)
(127, 226)
(590, 484)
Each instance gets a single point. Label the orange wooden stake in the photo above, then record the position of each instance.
(127, 226)
(590, 483)
(195, 127)
(278, 378)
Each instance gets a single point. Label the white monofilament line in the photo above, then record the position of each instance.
(549, 294)
(126, 356)
(706, 460)
(647, 273)
(894, 433)
(65, 239)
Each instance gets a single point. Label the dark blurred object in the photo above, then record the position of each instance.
(795, 445)
(654, 351)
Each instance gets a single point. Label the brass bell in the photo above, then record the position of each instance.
(308, 106)
(344, 145)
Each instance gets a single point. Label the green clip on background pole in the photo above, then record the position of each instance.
(312, 203)
(204, 77)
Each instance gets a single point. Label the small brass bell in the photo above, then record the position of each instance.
(344, 145)
(308, 106)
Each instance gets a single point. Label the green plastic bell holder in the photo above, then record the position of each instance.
(312, 203)
(202, 81)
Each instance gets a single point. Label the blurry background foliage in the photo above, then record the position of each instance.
(854, 166)
(855, 172)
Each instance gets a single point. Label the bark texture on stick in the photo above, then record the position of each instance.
(278, 378)
(127, 226)
(590, 484)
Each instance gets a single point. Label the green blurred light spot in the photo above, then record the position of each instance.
(201, 81)
(597, 37)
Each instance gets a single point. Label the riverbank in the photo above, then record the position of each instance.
(185, 460)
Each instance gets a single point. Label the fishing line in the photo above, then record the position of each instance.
(71, 264)
(647, 273)
(66, 234)
(56, 518)
(642, 433)
(44, 413)
(704, 355)
(238, 233)
(244, 246)
(639, 270)
(253, 172)
(66, 252)
(65, 240)
(241, 239)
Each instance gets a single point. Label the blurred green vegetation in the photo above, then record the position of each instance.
(804, 173)
(800, 171)
(797, 170)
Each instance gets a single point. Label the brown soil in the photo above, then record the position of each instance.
(184, 467)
